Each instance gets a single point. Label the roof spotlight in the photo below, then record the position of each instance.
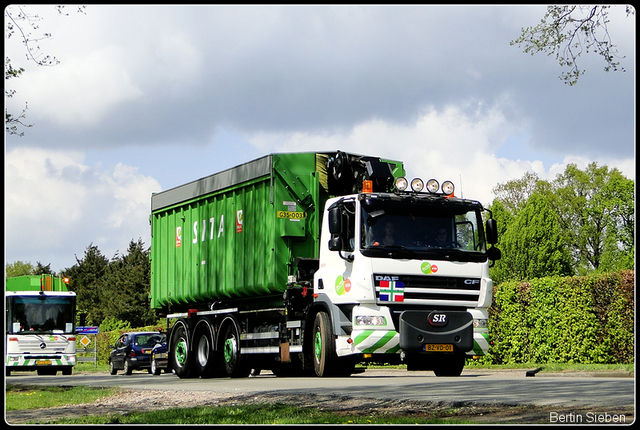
(417, 185)
(401, 184)
(433, 186)
(447, 187)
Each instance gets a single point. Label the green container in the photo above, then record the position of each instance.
(237, 233)
(35, 283)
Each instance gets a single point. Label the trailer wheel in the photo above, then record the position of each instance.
(180, 354)
(204, 354)
(232, 361)
(324, 348)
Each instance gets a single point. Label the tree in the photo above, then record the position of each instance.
(594, 222)
(18, 268)
(596, 208)
(128, 282)
(41, 269)
(568, 31)
(87, 280)
(26, 26)
(515, 193)
(532, 245)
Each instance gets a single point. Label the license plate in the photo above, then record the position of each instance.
(436, 347)
(43, 362)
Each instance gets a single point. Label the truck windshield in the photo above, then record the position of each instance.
(422, 228)
(40, 314)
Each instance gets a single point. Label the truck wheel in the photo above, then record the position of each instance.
(324, 348)
(67, 370)
(180, 354)
(449, 365)
(204, 354)
(232, 361)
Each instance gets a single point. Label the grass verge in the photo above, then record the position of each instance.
(32, 397)
(248, 414)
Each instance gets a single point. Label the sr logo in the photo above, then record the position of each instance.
(438, 319)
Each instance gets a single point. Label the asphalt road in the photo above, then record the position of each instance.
(478, 386)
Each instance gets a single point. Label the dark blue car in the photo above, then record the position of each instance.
(132, 351)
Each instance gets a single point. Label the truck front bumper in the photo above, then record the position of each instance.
(436, 331)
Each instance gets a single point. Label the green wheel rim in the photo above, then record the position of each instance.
(229, 349)
(181, 352)
(318, 345)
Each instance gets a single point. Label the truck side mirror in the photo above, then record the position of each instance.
(335, 220)
(335, 244)
(494, 253)
(492, 231)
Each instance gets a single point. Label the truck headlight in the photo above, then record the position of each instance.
(480, 323)
(371, 320)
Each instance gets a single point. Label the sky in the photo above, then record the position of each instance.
(146, 98)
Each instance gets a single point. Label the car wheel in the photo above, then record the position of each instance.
(112, 368)
(154, 367)
(127, 367)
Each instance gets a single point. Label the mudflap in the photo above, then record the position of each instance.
(432, 331)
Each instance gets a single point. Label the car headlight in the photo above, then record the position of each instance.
(371, 320)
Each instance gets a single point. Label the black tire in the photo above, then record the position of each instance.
(324, 347)
(233, 363)
(205, 361)
(128, 370)
(449, 365)
(181, 355)
(67, 371)
(154, 367)
(112, 368)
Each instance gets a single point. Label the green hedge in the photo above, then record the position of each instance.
(563, 320)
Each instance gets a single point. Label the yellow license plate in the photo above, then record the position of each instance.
(436, 347)
(43, 362)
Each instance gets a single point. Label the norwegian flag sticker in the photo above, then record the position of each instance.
(391, 291)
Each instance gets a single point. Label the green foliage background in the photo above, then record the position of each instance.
(581, 319)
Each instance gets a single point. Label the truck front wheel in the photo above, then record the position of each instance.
(180, 354)
(448, 365)
(324, 348)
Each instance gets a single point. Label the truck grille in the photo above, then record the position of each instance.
(427, 290)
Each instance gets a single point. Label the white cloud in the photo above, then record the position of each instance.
(457, 143)
(55, 206)
(81, 90)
